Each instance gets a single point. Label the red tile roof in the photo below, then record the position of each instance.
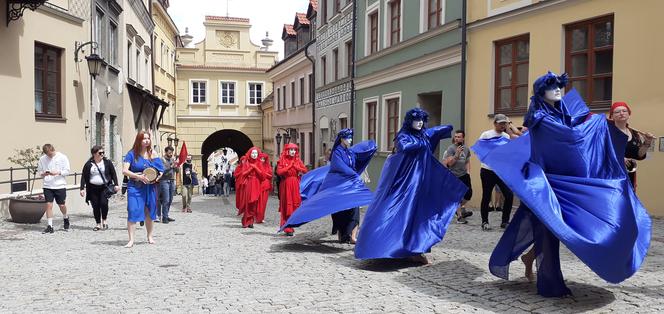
(289, 29)
(302, 18)
(226, 18)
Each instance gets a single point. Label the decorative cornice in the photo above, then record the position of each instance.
(218, 68)
(225, 118)
(509, 14)
(143, 14)
(131, 31)
(115, 7)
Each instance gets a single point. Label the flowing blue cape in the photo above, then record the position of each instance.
(415, 200)
(342, 187)
(311, 181)
(568, 170)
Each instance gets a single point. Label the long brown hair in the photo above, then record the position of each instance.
(138, 145)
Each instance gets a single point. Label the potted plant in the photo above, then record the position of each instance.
(27, 208)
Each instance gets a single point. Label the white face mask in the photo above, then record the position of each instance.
(553, 94)
(417, 125)
(348, 141)
(291, 152)
(254, 154)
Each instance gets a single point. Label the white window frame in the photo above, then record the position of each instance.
(424, 15)
(262, 83)
(191, 91)
(221, 102)
(375, 7)
(365, 127)
(383, 118)
(388, 27)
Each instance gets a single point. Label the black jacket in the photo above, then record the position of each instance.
(109, 173)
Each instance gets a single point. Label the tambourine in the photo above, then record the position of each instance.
(151, 174)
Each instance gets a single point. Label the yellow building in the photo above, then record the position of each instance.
(166, 37)
(221, 83)
(609, 48)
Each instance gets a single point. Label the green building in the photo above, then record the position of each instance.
(408, 54)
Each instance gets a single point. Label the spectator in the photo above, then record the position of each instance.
(457, 159)
(167, 185)
(187, 184)
(228, 177)
(98, 173)
(54, 167)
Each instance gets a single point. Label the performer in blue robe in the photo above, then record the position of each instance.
(568, 173)
(416, 197)
(311, 181)
(342, 188)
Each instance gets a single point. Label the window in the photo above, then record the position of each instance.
(302, 147)
(278, 98)
(292, 94)
(511, 87)
(337, 6)
(113, 44)
(161, 55)
(323, 63)
(323, 11)
(111, 137)
(392, 121)
(343, 123)
(255, 93)
(198, 92)
(283, 95)
(312, 86)
(99, 33)
(227, 93)
(99, 128)
(138, 66)
(435, 13)
(335, 61)
(373, 26)
(371, 120)
(48, 81)
(589, 59)
(349, 59)
(147, 73)
(395, 22)
(129, 52)
(302, 101)
(167, 60)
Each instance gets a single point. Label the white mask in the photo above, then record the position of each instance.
(553, 95)
(254, 154)
(417, 124)
(348, 141)
(291, 152)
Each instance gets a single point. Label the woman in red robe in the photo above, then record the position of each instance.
(253, 173)
(239, 185)
(290, 168)
(266, 187)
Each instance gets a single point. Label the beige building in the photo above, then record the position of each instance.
(46, 94)
(166, 39)
(600, 43)
(221, 82)
(267, 108)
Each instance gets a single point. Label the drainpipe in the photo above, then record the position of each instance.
(312, 99)
(464, 29)
(352, 71)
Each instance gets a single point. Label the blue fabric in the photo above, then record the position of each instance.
(415, 201)
(311, 181)
(342, 187)
(140, 195)
(569, 175)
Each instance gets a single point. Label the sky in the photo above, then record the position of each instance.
(264, 15)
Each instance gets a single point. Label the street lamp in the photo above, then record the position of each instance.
(94, 60)
(176, 140)
(170, 141)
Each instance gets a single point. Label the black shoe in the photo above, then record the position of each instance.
(105, 226)
(142, 223)
(66, 224)
(491, 208)
(165, 221)
(170, 219)
(504, 225)
(48, 229)
(466, 214)
(251, 226)
(289, 234)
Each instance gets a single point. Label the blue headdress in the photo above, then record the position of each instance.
(343, 133)
(415, 114)
(549, 81)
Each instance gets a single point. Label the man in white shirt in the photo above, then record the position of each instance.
(501, 127)
(53, 168)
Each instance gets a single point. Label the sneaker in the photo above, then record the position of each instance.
(170, 219)
(66, 224)
(466, 214)
(504, 225)
(49, 229)
(485, 226)
(462, 220)
(165, 221)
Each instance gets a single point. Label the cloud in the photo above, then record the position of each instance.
(265, 16)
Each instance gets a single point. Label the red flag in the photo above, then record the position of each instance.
(183, 154)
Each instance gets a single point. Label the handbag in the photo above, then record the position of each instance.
(109, 189)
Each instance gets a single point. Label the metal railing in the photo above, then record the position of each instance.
(23, 175)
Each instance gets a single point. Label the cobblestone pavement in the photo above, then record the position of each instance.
(204, 262)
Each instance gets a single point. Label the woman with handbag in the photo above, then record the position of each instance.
(99, 182)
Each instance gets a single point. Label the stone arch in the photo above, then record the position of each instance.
(233, 139)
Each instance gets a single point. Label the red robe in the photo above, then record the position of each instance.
(289, 169)
(266, 187)
(239, 187)
(253, 174)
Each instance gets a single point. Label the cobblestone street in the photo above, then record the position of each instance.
(205, 262)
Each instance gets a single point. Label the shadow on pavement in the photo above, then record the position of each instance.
(305, 247)
(456, 281)
(119, 243)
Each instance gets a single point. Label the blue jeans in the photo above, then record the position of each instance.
(166, 192)
(227, 188)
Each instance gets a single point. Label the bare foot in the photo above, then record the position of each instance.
(129, 244)
(151, 240)
(528, 262)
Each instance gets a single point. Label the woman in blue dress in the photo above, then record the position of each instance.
(568, 173)
(342, 191)
(141, 192)
(416, 197)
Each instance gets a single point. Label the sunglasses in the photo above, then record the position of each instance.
(100, 153)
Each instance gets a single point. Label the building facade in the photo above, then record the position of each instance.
(166, 40)
(292, 120)
(512, 43)
(334, 64)
(221, 82)
(408, 54)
